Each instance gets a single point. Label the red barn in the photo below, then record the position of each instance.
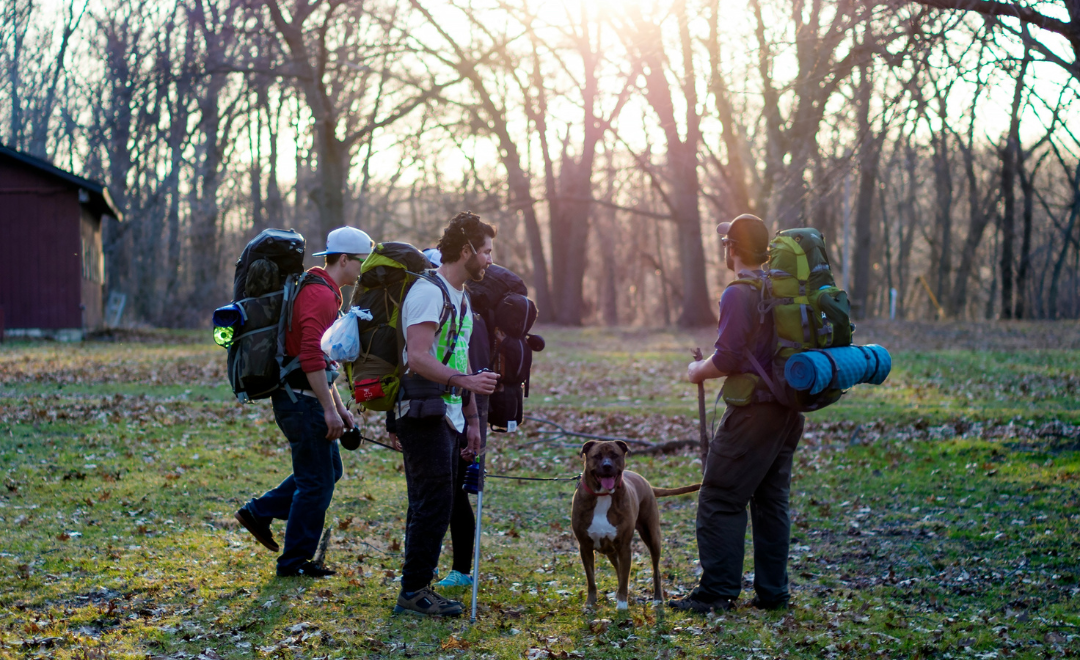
(51, 265)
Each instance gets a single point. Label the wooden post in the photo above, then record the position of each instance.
(933, 298)
(702, 430)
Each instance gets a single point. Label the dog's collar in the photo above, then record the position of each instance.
(590, 491)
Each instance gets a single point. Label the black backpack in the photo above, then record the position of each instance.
(269, 276)
(501, 300)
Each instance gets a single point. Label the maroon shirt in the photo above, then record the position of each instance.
(315, 309)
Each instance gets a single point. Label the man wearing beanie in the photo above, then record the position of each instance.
(750, 457)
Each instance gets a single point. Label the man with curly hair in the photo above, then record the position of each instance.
(432, 415)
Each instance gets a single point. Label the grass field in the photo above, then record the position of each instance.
(935, 516)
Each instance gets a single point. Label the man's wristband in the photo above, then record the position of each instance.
(451, 378)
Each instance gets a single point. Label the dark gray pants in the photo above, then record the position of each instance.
(430, 449)
(749, 462)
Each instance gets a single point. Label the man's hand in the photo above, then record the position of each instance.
(346, 417)
(394, 442)
(335, 427)
(702, 370)
(472, 449)
(481, 383)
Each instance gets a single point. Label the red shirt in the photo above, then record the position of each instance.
(315, 309)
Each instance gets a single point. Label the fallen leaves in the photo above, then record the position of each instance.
(454, 643)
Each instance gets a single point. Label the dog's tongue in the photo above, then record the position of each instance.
(607, 483)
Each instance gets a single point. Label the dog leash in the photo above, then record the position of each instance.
(504, 476)
(365, 439)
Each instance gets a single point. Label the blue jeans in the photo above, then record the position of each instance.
(304, 496)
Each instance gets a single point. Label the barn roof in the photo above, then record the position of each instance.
(99, 203)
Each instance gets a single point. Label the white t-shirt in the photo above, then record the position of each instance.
(424, 304)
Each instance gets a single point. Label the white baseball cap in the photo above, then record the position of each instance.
(347, 240)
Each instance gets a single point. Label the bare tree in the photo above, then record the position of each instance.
(35, 65)
(330, 58)
(678, 184)
(1028, 15)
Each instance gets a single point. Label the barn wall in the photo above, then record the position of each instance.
(40, 255)
(93, 270)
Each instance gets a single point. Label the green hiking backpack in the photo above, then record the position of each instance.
(809, 312)
(385, 279)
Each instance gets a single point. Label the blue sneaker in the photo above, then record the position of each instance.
(455, 579)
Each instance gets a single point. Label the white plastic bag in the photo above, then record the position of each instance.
(341, 341)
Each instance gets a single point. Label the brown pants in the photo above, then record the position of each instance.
(749, 462)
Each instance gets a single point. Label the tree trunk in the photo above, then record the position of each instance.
(1010, 156)
(1027, 188)
(1008, 194)
(869, 158)
(943, 189)
(521, 199)
(734, 172)
(978, 219)
(682, 164)
(569, 237)
(1066, 243)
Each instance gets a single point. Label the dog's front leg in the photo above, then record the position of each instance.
(622, 568)
(588, 561)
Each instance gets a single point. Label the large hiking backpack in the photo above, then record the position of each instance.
(269, 276)
(501, 300)
(809, 312)
(385, 279)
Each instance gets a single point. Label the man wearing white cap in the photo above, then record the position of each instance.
(313, 416)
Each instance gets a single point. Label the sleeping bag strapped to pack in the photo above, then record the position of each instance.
(501, 300)
(385, 279)
(809, 313)
(269, 276)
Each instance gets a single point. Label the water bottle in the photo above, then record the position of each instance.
(472, 478)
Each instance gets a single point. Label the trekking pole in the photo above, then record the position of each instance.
(324, 543)
(704, 435)
(478, 474)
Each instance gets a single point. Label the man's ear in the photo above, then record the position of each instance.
(623, 446)
(585, 447)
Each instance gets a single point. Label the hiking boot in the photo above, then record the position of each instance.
(259, 529)
(427, 602)
(455, 579)
(691, 603)
(307, 569)
(770, 604)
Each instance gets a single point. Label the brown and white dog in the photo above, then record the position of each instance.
(609, 504)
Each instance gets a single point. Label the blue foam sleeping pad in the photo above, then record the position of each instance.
(850, 366)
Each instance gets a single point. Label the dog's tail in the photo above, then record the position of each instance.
(664, 492)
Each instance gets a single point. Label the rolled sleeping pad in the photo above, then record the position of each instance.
(810, 371)
(838, 367)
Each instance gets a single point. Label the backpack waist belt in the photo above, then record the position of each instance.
(414, 386)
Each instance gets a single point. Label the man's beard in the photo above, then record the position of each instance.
(728, 260)
(474, 269)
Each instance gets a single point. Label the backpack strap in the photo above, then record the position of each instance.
(449, 311)
(293, 287)
(764, 306)
(778, 392)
